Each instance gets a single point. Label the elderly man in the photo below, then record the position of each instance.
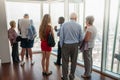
(70, 36)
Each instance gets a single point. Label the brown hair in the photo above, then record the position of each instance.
(12, 23)
(44, 24)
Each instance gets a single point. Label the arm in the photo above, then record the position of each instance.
(61, 36)
(87, 36)
(55, 28)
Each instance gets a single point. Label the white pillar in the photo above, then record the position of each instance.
(66, 11)
(4, 44)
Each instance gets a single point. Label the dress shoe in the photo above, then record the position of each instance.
(57, 64)
(44, 73)
(84, 76)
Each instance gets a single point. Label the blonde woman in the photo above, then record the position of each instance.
(12, 35)
(44, 30)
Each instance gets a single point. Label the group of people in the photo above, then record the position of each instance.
(70, 37)
(26, 36)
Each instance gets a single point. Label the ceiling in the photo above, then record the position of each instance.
(73, 1)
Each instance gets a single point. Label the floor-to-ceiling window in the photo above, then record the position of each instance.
(113, 42)
(96, 9)
(16, 10)
(56, 11)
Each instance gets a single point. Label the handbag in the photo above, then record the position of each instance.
(19, 38)
(50, 40)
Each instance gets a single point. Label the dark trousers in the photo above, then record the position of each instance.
(15, 55)
(87, 56)
(69, 51)
(59, 54)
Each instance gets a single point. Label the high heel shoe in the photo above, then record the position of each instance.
(49, 73)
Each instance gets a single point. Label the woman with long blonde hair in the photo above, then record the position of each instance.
(44, 30)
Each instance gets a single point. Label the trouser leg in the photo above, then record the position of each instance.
(87, 56)
(65, 60)
(59, 54)
(15, 54)
(73, 55)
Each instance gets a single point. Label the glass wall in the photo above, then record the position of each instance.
(113, 45)
(96, 8)
(16, 10)
(56, 11)
(45, 8)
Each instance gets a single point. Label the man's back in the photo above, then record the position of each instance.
(23, 26)
(71, 32)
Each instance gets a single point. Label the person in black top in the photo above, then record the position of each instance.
(60, 21)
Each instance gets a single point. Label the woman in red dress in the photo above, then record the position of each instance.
(44, 30)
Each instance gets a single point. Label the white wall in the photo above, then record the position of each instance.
(4, 44)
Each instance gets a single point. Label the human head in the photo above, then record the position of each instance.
(26, 15)
(61, 20)
(12, 24)
(44, 24)
(46, 19)
(73, 16)
(89, 20)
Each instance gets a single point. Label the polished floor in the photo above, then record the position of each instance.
(28, 72)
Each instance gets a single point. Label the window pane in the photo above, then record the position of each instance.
(16, 10)
(57, 10)
(111, 37)
(45, 8)
(96, 8)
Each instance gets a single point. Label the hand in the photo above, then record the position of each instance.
(55, 28)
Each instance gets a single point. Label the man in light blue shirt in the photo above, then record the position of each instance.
(70, 36)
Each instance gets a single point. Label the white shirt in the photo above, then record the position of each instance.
(23, 26)
(93, 32)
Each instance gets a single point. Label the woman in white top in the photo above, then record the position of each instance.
(90, 39)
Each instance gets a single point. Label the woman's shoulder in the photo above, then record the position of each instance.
(49, 26)
(10, 30)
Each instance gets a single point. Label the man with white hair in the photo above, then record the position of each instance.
(70, 36)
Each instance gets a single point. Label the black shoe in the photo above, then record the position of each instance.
(49, 73)
(44, 73)
(84, 76)
(62, 78)
(57, 64)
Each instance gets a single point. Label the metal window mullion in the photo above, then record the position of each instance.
(118, 69)
(84, 8)
(77, 10)
(66, 10)
(41, 4)
(105, 35)
(115, 36)
(49, 7)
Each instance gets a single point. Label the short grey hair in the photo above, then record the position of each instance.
(90, 20)
(73, 15)
(26, 14)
